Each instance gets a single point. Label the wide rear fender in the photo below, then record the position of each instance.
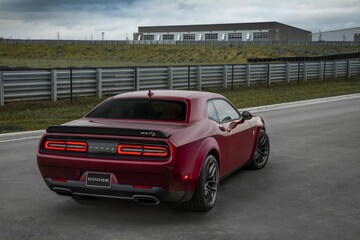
(259, 124)
(209, 145)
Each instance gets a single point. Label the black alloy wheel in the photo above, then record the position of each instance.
(205, 195)
(262, 151)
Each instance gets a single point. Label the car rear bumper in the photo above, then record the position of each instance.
(153, 195)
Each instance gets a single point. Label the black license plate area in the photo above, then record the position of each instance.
(102, 180)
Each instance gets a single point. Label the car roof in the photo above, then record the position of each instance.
(171, 94)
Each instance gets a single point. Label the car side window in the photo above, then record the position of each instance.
(212, 114)
(225, 111)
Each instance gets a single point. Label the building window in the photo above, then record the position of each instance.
(168, 37)
(211, 36)
(149, 37)
(189, 36)
(235, 36)
(261, 35)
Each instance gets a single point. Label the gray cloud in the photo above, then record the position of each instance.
(58, 5)
(81, 18)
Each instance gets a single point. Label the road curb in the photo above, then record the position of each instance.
(301, 103)
(16, 134)
(279, 106)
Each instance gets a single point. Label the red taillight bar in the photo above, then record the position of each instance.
(76, 146)
(155, 151)
(71, 146)
(126, 149)
(122, 149)
(55, 145)
(140, 150)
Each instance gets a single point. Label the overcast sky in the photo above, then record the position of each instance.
(81, 19)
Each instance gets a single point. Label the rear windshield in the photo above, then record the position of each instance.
(147, 109)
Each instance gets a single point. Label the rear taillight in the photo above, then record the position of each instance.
(155, 151)
(69, 146)
(126, 149)
(55, 145)
(142, 150)
(76, 146)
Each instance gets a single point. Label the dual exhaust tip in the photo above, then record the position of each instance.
(146, 199)
(142, 199)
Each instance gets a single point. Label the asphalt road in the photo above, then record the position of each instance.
(310, 189)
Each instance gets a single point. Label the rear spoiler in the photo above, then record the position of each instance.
(107, 131)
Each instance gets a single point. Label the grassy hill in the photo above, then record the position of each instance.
(82, 55)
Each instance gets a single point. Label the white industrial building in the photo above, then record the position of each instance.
(257, 31)
(350, 34)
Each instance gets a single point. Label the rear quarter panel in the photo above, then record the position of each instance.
(191, 146)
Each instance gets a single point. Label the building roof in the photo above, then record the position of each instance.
(338, 30)
(214, 27)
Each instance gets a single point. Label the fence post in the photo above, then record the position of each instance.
(248, 74)
(137, 78)
(305, 71)
(335, 69)
(268, 82)
(232, 77)
(53, 85)
(2, 91)
(324, 72)
(225, 73)
(99, 83)
(71, 85)
(170, 78)
(321, 67)
(188, 77)
(288, 72)
(348, 69)
(199, 78)
(298, 72)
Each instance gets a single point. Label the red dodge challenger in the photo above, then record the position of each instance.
(153, 146)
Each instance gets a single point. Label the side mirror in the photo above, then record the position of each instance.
(246, 115)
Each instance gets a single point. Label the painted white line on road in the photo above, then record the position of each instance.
(19, 139)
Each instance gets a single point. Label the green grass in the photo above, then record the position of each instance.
(254, 96)
(34, 115)
(82, 55)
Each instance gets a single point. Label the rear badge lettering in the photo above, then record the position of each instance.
(98, 180)
(152, 134)
(102, 147)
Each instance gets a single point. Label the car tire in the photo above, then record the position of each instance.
(206, 191)
(261, 154)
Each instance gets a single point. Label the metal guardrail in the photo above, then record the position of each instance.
(35, 84)
(184, 42)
